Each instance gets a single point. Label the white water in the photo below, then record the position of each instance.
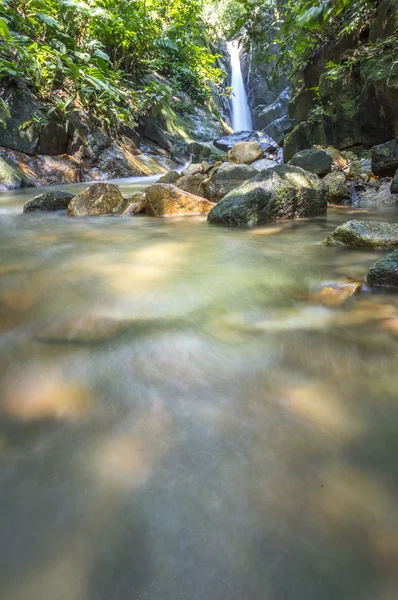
(241, 117)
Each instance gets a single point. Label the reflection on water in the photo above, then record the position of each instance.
(179, 420)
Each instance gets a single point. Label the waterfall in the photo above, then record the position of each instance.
(241, 116)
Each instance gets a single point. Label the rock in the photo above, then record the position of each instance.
(378, 195)
(170, 177)
(283, 192)
(192, 169)
(205, 166)
(385, 158)
(278, 129)
(84, 330)
(136, 205)
(192, 184)
(384, 272)
(10, 177)
(54, 200)
(98, 199)
(227, 178)
(394, 184)
(201, 151)
(338, 158)
(364, 234)
(167, 200)
(263, 163)
(300, 138)
(335, 293)
(244, 153)
(313, 161)
(227, 142)
(337, 186)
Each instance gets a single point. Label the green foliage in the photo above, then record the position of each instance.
(108, 57)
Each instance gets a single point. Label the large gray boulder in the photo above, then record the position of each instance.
(337, 186)
(229, 141)
(225, 179)
(384, 272)
(98, 199)
(385, 158)
(283, 192)
(54, 200)
(313, 161)
(365, 234)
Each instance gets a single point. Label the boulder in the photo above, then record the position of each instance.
(244, 153)
(192, 184)
(136, 205)
(263, 163)
(167, 200)
(98, 199)
(170, 177)
(227, 142)
(283, 192)
(337, 186)
(278, 129)
(377, 195)
(384, 272)
(364, 234)
(192, 169)
(313, 161)
(394, 184)
(10, 177)
(54, 200)
(300, 138)
(201, 151)
(225, 179)
(385, 158)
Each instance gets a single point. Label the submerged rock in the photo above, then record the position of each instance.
(384, 272)
(54, 200)
(385, 158)
(335, 293)
(313, 161)
(225, 179)
(244, 153)
(170, 177)
(364, 234)
(167, 200)
(98, 199)
(227, 142)
(283, 192)
(336, 185)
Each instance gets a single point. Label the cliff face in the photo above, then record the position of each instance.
(355, 103)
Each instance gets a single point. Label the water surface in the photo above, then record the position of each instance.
(211, 433)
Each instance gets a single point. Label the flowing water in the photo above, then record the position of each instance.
(180, 419)
(241, 116)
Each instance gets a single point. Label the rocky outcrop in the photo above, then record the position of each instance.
(313, 161)
(245, 153)
(166, 200)
(54, 200)
(337, 187)
(384, 272)
(283, 192)
(98, 199)
(364, 234)
(385, 158)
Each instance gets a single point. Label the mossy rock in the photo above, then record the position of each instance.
(364, 234)
(54, 200)
(384, 272)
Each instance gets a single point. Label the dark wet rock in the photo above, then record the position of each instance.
(336, 185)
(385, 158)
(394, 184)
(244, 153)
(54, 200)
(167, 200)
(283, 192)
(98, 199)
(313, 161)
(201, 151)
(11, 177)
(384, 272)
(170, 177)
(279, 128)
(365, 234)
(300, 138)
(136, 205)
(227, 142)
(84, 330)
(225, 179)
(192, 184)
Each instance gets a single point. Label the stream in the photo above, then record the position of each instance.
(211, 432)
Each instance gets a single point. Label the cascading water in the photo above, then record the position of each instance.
(241, 117)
